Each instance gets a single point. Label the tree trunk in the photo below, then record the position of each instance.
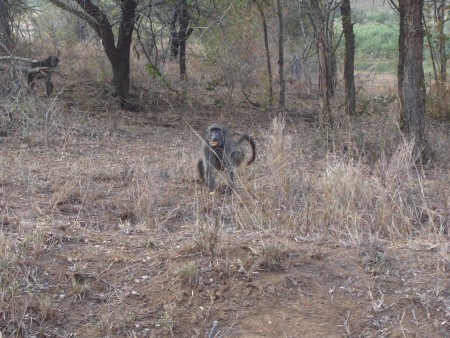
(325, 118)
(331, 51)
(121, 75)
(430, 47)
(442, 51)
(325, 114)
(349, 62)
(414, 82)
(178, 38)
(183, 35)
(5, 25)
(266, 46)
(401, 60)
(282, 99)
(121, 59)
(174, 45)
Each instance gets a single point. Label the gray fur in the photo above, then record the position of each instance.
(227, 154)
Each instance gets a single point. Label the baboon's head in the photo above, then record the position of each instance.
(52, 61)
(216, 135)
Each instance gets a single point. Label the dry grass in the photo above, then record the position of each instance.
(80, 177)
(297, 189)
(345, 198)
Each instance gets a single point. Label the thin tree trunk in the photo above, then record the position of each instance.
(331, 51)
(430, 45)
(401, 62)
(266, 46)
(325, 116)
(182, 37)
(174, 45)
(414, 82)
(442, 52)
(349, 63)
(282, 99)
(325, 119)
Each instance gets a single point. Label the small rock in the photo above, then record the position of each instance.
(293, 281)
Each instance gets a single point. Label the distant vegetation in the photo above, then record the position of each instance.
(376, 35)
(376, 47)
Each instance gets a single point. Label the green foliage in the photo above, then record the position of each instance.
(383, 15)
(152, 71)
(376, 47)
(212, 87)
(387, 17)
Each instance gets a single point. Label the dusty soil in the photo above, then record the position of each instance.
(86, 268)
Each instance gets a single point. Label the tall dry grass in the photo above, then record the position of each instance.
(342, 197)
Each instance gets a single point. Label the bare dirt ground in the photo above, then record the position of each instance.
(86, 267)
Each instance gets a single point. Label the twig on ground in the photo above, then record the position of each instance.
(215, 324)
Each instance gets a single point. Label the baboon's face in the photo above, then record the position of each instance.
(216, 137)
(52, 61)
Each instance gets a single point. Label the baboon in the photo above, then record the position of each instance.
(220, 151)
(50, 62)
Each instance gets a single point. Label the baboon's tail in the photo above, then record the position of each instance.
(249, 139)
(201, 170)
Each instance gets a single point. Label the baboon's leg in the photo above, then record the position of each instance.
(237, 157)
(231, 181)
(30, 81)
(230, 167)
(226, 189)
(210, 181)
(48, 83)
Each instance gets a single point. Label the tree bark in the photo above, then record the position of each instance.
(5, 25)
(282, 98)
(413, 124)
(401, 59)
(442, 52)
(328, 17)
(266, 46)
(178, 38)
(174, 45)
(324, 86)
(183, 35)
(325, 118)
(349, 62)
(430, 47)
